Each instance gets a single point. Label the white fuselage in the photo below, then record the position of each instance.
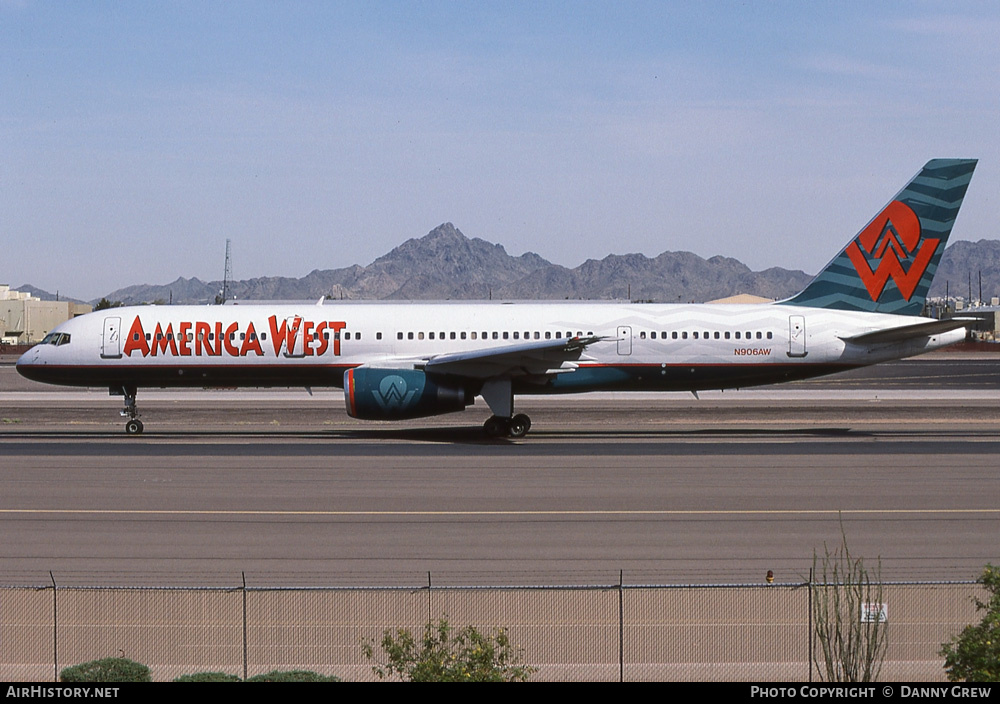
(644, 346)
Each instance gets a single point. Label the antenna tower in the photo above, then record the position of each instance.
(228, 276)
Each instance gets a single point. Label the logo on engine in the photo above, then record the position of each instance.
(891, 239)
(392, 394)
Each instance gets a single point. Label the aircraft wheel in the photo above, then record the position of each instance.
(133, 427)
(523, 420)
(495, 427)
(519, 425)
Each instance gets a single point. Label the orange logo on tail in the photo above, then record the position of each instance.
(892, 237)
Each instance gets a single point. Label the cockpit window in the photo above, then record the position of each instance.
(56, 338)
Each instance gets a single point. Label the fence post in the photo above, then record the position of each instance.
(244, 576)
(621, 625)
(55, 630)
(429, 620)
(810, 622)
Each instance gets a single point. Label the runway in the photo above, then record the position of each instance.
(284, 487)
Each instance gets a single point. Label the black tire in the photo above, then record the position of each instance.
(518, 427)
(523, 420)
(133, 427)
(495, 427)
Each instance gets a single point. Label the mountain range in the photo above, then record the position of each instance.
(445, 264)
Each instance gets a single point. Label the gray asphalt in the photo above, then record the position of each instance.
(287, 489)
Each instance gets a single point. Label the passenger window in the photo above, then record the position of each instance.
(420, 336)
(695, 334)
(432, 335)
(506, 335)
(548, 335)
(453, 336)
(769, 335)
(737, 334)
(727, 334)
(378, 336)
(684, 335)
(409, 336)
(473, 335)
(558, 335)
(674, 334)
(759, 336)
(515, 335)
(716, 334)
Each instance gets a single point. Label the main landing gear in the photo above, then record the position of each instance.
(133, 426)
(516, 427)
(503, 423)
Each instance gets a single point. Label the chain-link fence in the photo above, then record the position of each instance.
(607, 633)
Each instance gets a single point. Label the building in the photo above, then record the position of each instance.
(25, 319)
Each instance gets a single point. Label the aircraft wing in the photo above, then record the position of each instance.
(909, 332)
(541, 358)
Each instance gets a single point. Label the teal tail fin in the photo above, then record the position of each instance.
(889, 265)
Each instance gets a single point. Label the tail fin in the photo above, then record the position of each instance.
(889, 265)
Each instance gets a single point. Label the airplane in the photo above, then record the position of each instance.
(413, 360)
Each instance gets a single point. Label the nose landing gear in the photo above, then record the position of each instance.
(133, 426)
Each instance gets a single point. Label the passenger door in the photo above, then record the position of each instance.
(111, 341)
(624, 339)
(797, 336)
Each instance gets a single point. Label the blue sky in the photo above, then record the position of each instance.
(137, 137)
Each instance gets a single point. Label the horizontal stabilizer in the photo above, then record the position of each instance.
(910, 332)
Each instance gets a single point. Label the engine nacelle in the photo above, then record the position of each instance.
(394, 394)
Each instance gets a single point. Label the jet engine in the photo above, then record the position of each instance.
(394, 394)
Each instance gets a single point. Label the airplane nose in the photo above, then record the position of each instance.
(27, 364)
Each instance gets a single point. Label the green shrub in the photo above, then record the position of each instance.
(974, 655)
(293, 676)
(107, 670)
(208, 677)
(447, 655)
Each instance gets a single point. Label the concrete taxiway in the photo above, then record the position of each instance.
(284, 487)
